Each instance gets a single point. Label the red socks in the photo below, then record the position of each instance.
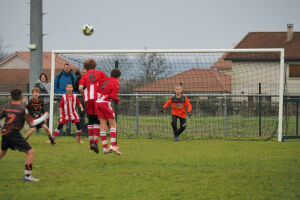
(91, 133)
(96, 133)
(103, 139)
(79, 134)
(113, 136)
(56, 132)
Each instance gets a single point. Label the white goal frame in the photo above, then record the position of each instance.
(269, 50)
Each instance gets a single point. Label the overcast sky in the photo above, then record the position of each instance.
(155, 24)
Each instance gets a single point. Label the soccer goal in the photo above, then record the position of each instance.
(235, 93)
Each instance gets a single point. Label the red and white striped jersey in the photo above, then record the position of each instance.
(68, 104)
(109, 90)
(91, 81)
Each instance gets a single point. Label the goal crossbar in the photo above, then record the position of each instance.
(266, 50)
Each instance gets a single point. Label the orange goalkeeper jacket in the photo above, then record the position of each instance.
(179, 105)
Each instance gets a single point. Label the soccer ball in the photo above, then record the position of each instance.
(87, 29)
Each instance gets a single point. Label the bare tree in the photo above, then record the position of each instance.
(129, 86)
(122, 59)
(3, 47)
(153, 65)
(108, 61)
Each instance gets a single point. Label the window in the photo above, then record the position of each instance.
(294, 70)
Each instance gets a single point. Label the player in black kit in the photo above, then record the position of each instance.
(15, 116)
(36, 108)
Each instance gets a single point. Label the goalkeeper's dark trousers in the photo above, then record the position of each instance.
(174, 125)
(78, 126)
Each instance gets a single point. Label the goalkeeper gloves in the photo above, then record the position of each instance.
(163, 110)
(190, 114)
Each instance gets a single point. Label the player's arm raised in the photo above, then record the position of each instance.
(35, 122)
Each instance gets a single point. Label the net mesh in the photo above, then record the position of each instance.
(232, 94)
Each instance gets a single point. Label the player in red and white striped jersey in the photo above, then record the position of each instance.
(88, 87)
(108, 92)
(67, 111)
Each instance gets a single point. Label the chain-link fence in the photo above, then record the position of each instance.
(212, 116)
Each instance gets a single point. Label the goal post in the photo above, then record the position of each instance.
(281, 88)
(223, 83)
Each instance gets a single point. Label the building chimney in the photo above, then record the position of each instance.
(290, 33)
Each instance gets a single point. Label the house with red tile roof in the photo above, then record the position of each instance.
(264, 67)
(193, 81)
(14, 70)
(223, 65)
(242, 73)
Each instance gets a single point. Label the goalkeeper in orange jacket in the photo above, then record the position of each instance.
(179, 104)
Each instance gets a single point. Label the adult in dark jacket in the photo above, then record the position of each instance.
(81, 113)
(78, 77)
(61, 80)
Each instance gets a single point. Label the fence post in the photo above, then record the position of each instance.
(136, 114)
(115, 105)
(297, 109)
(225, 115)
(259, 109)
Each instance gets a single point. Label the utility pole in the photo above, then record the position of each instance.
(36, 41)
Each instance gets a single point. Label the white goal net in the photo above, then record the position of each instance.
(235, 93)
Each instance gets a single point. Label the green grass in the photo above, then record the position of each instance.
(156, 169)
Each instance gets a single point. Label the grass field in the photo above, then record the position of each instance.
(156, 169)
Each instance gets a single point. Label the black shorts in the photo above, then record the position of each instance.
(14, 140)
(40, 125)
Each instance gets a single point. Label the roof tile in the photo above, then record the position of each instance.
(268, 40)
(193, 80)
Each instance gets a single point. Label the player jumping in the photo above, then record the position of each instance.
(107, 92)
(88, 87)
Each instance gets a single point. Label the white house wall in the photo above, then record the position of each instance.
(16, 62)
(246, 77)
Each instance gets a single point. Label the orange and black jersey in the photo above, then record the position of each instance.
(15, 116)
(179, 105)
(36, 108)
